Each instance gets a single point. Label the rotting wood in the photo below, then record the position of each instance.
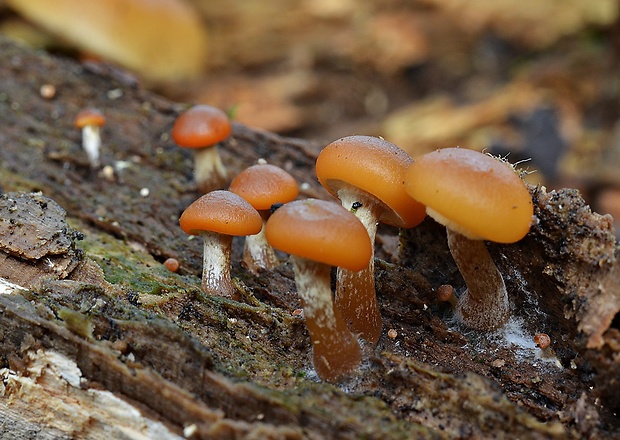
(241, 368)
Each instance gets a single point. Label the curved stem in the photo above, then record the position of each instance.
(356, 297)
(209, 171)
(216, 265)
(257, 253)
(336, 351)
(484, 305)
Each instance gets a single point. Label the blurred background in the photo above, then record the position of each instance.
(527, 79)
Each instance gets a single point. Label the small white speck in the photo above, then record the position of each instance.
(114, 94)
(190, 430)
(144, 192)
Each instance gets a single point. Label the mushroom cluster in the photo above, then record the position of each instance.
(477, 197)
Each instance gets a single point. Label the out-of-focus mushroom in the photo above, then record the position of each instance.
(319, 234)
(477, 197)
(367, 175)
(202, 128)
(90, 121)
(263, 185)
(217, 217)
(162, 40)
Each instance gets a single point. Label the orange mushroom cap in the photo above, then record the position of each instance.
(201, 126)
(89, 116)
(475, 194)
(320, 231)
(263, 185)
(375, 166)
(222, 212)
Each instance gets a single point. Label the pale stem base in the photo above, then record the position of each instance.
(356, 297)
(91, 143)
(209, 171)
(336, 351)
(257, 253)
(484, 305)
(216, 265)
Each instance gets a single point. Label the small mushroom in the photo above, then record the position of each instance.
(542, 340)
(367, 175)
(172, 264)
(263, 185)
(320, 234)
(217, 217)
(202, 128)
(90, 120)
(477, 197)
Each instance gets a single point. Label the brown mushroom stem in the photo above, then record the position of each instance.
(336, 351)
(257, 253)
(216, 265)
(356, 298)
(484, 305)
(91, 143)
(209, 171)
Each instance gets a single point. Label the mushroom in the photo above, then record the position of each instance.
(263, 185)
(477, 197)
(163, 40)
(202, 128)
(90, 120)
(217, 217)
(319, 234)
(367, 175)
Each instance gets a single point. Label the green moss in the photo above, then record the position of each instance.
(118, 260)
(76, 322)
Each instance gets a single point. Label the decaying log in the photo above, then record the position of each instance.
(112, 344)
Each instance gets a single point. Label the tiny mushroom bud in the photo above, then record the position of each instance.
(542, 340)
(477, 197)
(263, 186)
(172, 264)
(202, 128)
(90, 120)
(367, 175)
(217, 217)
(319, 234)
(445, 293)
